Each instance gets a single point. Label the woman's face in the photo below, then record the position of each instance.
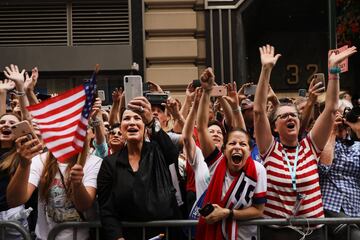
(237, 150)
(116, 140)
(216, 135)
(287, 122)
(132, 126)
(6, 134)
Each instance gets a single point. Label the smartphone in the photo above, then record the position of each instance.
(196, 83)
(206, 210)
(250, 90)
(133, 87)
(302, 92)
(23, 128)
(218, 91)
(101, 95)
(319, 77)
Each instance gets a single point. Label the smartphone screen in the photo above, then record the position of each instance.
(250, 90)
(23, 128)
(133, 87)
(319, 77)
(101, 95)
(218, 91)
(302, 92)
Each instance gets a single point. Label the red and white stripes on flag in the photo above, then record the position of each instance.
(61, 122)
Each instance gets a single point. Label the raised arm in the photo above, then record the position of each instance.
(172, 107)
(188, 130)
(263, 133)
(19, 190)
(189, 96)
(322, 127)
(115, 107)
(233, 100)
(327, 155)
(207, 80)
(5, 86)
(29, 85)
(13, 74)
(97, 122)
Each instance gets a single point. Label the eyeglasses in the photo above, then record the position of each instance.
(285, 116)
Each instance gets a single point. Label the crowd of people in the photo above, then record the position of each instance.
(218, 160)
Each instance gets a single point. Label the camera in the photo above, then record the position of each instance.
(352, 115)
(156, 98)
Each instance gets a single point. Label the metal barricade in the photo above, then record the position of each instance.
(259, 222)
(75, 226)
(14, 225)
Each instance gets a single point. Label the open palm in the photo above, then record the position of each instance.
(335, 59)
(13, 74)
(267, 55)
(6, 85)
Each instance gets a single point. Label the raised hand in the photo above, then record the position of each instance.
(6, 85)
(30, 82)
(141, 106)
(27, 149)
(96, 108)
(315, 90)
(172, 107)
(190, 91)
(232, 97)
(154, 87)
(335, 59)
(207, 79)
(268, 57)
(13, 74)
(116, 95)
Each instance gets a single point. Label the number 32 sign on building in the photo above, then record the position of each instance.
(223, 4)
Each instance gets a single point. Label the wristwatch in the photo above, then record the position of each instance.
(94, 123)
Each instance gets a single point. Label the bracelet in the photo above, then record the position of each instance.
(231, 214)
(335, 70)
(95, 123)
(18, 93)
(335, 78)
(237, 109)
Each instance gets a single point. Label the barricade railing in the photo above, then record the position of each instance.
(75, 226)
(16, 226)
(187, 224)
(259, 222)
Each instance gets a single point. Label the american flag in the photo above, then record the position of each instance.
(63, 120)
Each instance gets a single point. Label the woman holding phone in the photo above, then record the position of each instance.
(134, 184)
(9, 162)
(67, 190)
(291, 165)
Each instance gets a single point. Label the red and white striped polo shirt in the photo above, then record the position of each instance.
(281, 197)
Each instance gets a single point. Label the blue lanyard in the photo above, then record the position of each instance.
(292, 170)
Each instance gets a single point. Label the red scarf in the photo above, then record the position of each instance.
(215, 231)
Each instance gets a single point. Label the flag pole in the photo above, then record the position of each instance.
(81, 159)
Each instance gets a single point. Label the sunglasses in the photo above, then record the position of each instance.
(285, 116)
(113, 132)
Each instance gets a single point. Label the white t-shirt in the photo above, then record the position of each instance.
(201, 170)
(58, 206)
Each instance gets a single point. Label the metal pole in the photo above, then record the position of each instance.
(332, 24)
(241, 50)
